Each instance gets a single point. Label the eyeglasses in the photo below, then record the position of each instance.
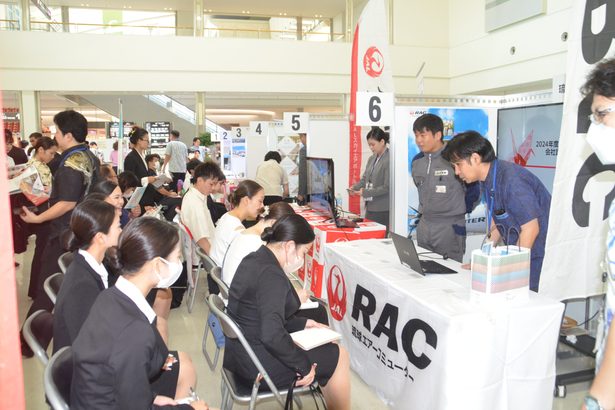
(597, 116)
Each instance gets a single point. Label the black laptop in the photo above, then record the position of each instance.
(409, 257)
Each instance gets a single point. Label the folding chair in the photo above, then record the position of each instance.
(215, 274)
(234, 388)
(37, 332)
(188, 248)
(52, 285)
(57, 378)
(208, 262)
(65, 260)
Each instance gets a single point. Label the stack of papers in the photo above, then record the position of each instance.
(161, 180)
(313, 337)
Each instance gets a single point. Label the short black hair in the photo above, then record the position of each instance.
(464, 144)
(207, 170)
(175, 133)
(195, 139)
(104, 187)
(151, 157)
(127, 180)
(192, 164)
(378, 134)
(601, 81)
(273, 155)
(429, 122)
(73, 122)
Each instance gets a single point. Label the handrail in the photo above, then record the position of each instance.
(206, 29)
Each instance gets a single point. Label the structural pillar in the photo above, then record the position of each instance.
(199, 18)
(25, 15)
(299, 28)
(30, 113)
(65, 19)
(199, 114)
(349, 20)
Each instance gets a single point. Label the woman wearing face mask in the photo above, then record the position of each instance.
(44, 151)
(263, 303)
(94, 228)
(132, 368)
(128, 182)
(374, 184)
(247, 201)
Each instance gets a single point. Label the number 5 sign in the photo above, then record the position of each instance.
(375, 108)
(296, 123)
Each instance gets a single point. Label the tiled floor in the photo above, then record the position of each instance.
(186, 332)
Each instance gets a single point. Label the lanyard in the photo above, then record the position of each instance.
(374, 167)
(491, 203)
(80, 149)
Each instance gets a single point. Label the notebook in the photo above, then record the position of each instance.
(308, 339)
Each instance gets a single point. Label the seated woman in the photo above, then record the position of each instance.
(107, 173)
(94, 228)
(113, 195)
(263, 303)
(119, 358)
(249, 240)
(247, 201)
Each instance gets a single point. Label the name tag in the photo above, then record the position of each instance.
(440, 172)
(441, 189)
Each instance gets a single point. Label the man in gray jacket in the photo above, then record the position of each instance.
(442, 196)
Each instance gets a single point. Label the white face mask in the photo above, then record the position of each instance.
(175, 270)
(602, 140)
(294, 265)
(127, 195)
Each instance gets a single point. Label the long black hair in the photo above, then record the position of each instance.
(88, 218)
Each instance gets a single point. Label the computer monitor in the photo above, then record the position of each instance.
(320, 187)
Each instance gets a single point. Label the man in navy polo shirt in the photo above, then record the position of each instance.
(517, 202)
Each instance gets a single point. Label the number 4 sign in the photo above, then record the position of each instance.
(296, 123)
(375, 108)
(259, 128)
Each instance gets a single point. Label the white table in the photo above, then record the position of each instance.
(438, 345)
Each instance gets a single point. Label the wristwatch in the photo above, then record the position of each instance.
(591, 403)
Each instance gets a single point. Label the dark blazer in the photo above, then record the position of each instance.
(135, 164)
(263, 303)
(80, 287)
(116, 355)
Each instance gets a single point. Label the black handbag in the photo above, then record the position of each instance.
(316, 395)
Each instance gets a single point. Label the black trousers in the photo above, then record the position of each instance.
(42, 232)
(272, 199)
(49, 265)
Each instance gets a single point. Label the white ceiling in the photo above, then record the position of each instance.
(328, 8)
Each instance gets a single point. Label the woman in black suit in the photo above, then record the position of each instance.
(263, 302)
(119, 358)
(94, 228)
(135, 163)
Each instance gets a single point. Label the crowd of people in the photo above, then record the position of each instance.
(117, 287)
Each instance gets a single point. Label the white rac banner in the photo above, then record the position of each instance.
(583, 187)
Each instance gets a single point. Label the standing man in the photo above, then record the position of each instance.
(442, 196)
(176, 157)
(601, 138)
(77, 171)
(302, 189)
(517, 201)
(196, 146)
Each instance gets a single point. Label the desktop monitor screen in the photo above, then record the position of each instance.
(320, 190)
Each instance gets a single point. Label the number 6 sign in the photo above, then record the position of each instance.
(375, 108)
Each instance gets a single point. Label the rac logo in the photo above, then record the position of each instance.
(336, 292)
(373, 62)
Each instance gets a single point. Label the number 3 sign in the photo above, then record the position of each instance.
(296, 122)
(375, 108)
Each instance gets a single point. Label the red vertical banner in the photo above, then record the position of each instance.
(11, 371)
(354, 201)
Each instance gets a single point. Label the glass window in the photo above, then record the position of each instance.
(97, 21)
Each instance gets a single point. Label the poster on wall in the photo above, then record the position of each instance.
(529, 136)
(114, 128)
(456, 120)
(288, 147)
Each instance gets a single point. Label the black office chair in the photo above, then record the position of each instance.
(37, 332)
(58, 377)
(65, 260)
(52, 286)
(234, 388)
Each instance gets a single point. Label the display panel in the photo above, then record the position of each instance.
(320, 177)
